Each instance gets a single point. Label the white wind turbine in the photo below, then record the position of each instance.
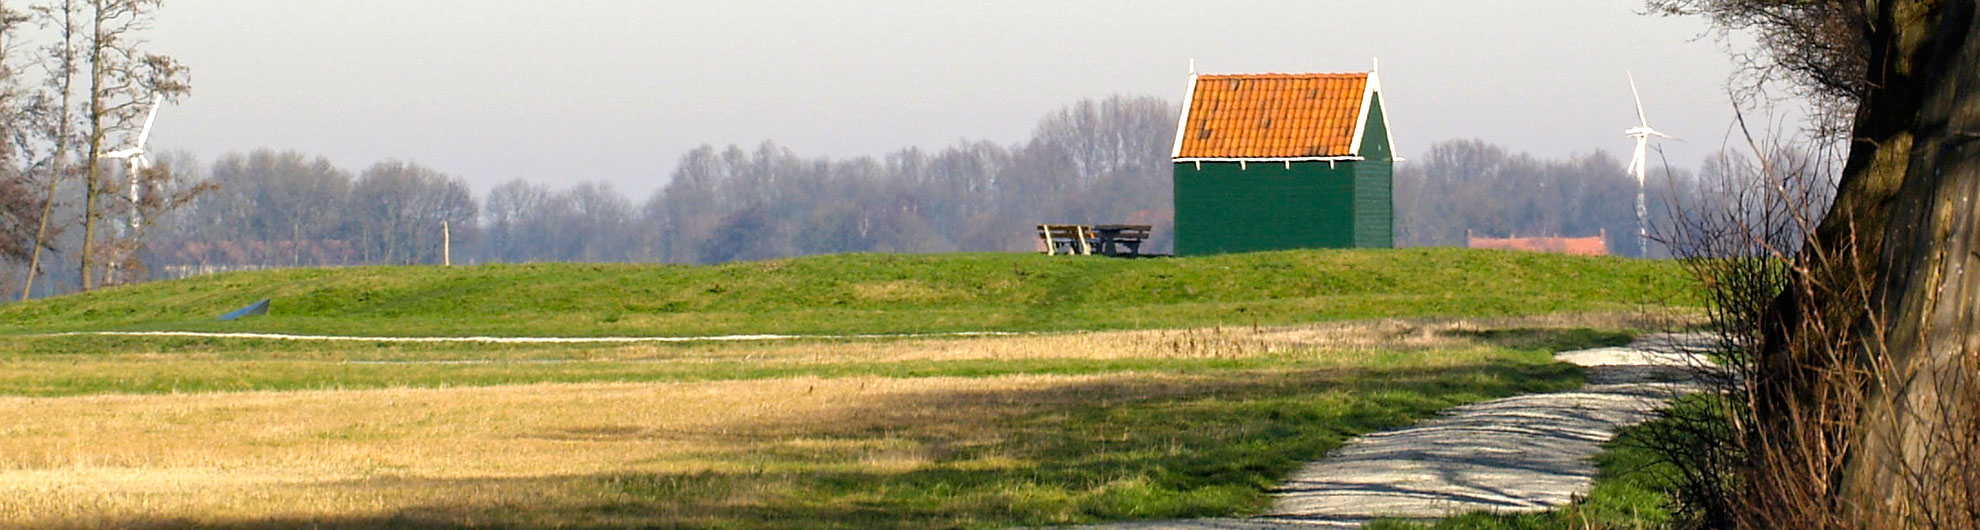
(134, 158)
(1639, 163)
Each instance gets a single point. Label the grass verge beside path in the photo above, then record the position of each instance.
(874, 293)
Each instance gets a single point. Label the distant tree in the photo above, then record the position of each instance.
(1091, 139)
(401, 208)
(836, 228)
(163, 191)
(880, 221)
(18, 201)
(18, 205)
(652, 236)
(1425, 188)
(602, 216)
(1594, 194)
(1098, 160)
(588, 222)
(1462, 187)
(750, 233)
(689, 207)
(122, 80)
(1094, 161)
(510, 218)
(959, 186)
(55, 113)
(271, 199)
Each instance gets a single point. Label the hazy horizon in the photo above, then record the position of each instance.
(616, 91)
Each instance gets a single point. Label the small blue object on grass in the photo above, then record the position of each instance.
(254, 309)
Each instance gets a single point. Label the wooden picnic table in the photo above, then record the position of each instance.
(1077, 239)
(1113, 238)
(1106, 240)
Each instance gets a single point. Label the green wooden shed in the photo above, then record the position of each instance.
(1283, 161)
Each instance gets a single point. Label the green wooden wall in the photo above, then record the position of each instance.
(1374, 187)
(1266, 206)
(1224, 207)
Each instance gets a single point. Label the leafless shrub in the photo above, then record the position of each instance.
(1740, 232)
(1799, 356)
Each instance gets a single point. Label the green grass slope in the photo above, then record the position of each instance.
(873, 293)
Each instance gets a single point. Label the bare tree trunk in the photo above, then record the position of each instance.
(1921, 406)
(1827, 297)
(1867, 388)
(65, 73)
(48, 204)
(99, 42)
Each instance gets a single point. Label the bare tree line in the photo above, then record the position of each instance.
(1469, 187)
(1095, 161)
(66, 102)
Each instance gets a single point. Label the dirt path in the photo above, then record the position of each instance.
(1521, 453)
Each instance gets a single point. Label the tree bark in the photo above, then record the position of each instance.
(65, 81)
(99, 42)
(1920, 407)
(48, 206)
(1815, 315)
(1880, 329)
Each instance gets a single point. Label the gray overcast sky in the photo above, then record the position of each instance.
(566, 91)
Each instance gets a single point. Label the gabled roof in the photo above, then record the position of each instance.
(1275, 116)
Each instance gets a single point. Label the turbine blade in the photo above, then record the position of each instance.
(1640, 116)
(145, 134)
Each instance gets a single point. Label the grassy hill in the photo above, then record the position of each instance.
(945, 432)
(872, 293)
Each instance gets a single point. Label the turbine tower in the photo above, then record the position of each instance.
(135, 160)
(1639, 164)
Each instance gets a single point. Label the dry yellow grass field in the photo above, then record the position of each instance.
(1336, 341)
(215, 458)
(598, 454)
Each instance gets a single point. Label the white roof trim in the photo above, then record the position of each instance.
(1273, 159)
(1361, 119)
(1189, 98)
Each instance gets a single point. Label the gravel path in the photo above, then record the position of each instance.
(1521, 453)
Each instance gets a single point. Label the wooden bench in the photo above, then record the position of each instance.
(1121, 240)
(1077, 239)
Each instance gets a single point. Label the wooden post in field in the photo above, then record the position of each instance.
(446, 245)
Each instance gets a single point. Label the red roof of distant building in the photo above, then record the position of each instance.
(1596, 245)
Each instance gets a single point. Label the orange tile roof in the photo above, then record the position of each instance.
(1272, 116)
